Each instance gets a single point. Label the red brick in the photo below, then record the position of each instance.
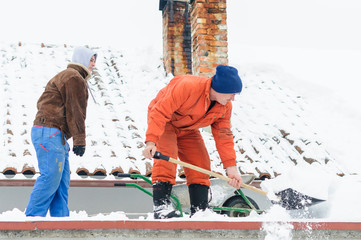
(206, 70)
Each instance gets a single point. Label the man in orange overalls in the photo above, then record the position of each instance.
(186, 104)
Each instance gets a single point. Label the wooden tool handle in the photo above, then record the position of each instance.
(158, 155)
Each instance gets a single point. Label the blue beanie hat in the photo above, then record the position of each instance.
(226, 80)
(82, 55)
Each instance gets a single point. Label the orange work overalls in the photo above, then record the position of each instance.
(175, 116)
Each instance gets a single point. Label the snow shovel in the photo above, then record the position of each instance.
(288, 198)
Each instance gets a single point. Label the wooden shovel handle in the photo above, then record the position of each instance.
(158, 155)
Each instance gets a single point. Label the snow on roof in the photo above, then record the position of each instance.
(269, 121)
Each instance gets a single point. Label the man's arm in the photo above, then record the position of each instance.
(223, 137)
(75, 101)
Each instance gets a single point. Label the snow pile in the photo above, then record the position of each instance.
(279, 230)
(16, 215)
(344, 199)
(299, 179)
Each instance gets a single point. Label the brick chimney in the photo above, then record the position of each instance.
(194, 36)
(177, 53)
(209, 36)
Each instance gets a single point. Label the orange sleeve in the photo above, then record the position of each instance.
(223, 136)
(160, 111)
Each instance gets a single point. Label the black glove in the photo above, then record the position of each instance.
(79, 150)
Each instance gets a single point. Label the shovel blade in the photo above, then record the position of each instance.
(292, 199)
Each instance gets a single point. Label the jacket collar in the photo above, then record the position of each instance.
(84, 72)
(208, 88)
(207, 91)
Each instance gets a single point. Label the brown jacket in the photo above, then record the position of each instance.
(64, 101)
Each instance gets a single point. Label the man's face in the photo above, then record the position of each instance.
(91, 63)
(223, 98)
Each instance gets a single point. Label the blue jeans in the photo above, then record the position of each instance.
(50, 191)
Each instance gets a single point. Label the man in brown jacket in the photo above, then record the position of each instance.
(61, 115)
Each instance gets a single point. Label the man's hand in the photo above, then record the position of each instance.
(79, 150)
(233, 174)
(149, 149)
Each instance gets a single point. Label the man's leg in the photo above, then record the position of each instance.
(193, 150)
(164, 175)
(164, 171)
(59, 205)
(47, 183)
(198, 196)
(162, 205)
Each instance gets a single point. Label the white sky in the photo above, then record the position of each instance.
(80, 22)
(309, 23)
(321, 38)
(331, 24)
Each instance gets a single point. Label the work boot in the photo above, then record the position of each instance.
(162, 205)
(198, 195)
